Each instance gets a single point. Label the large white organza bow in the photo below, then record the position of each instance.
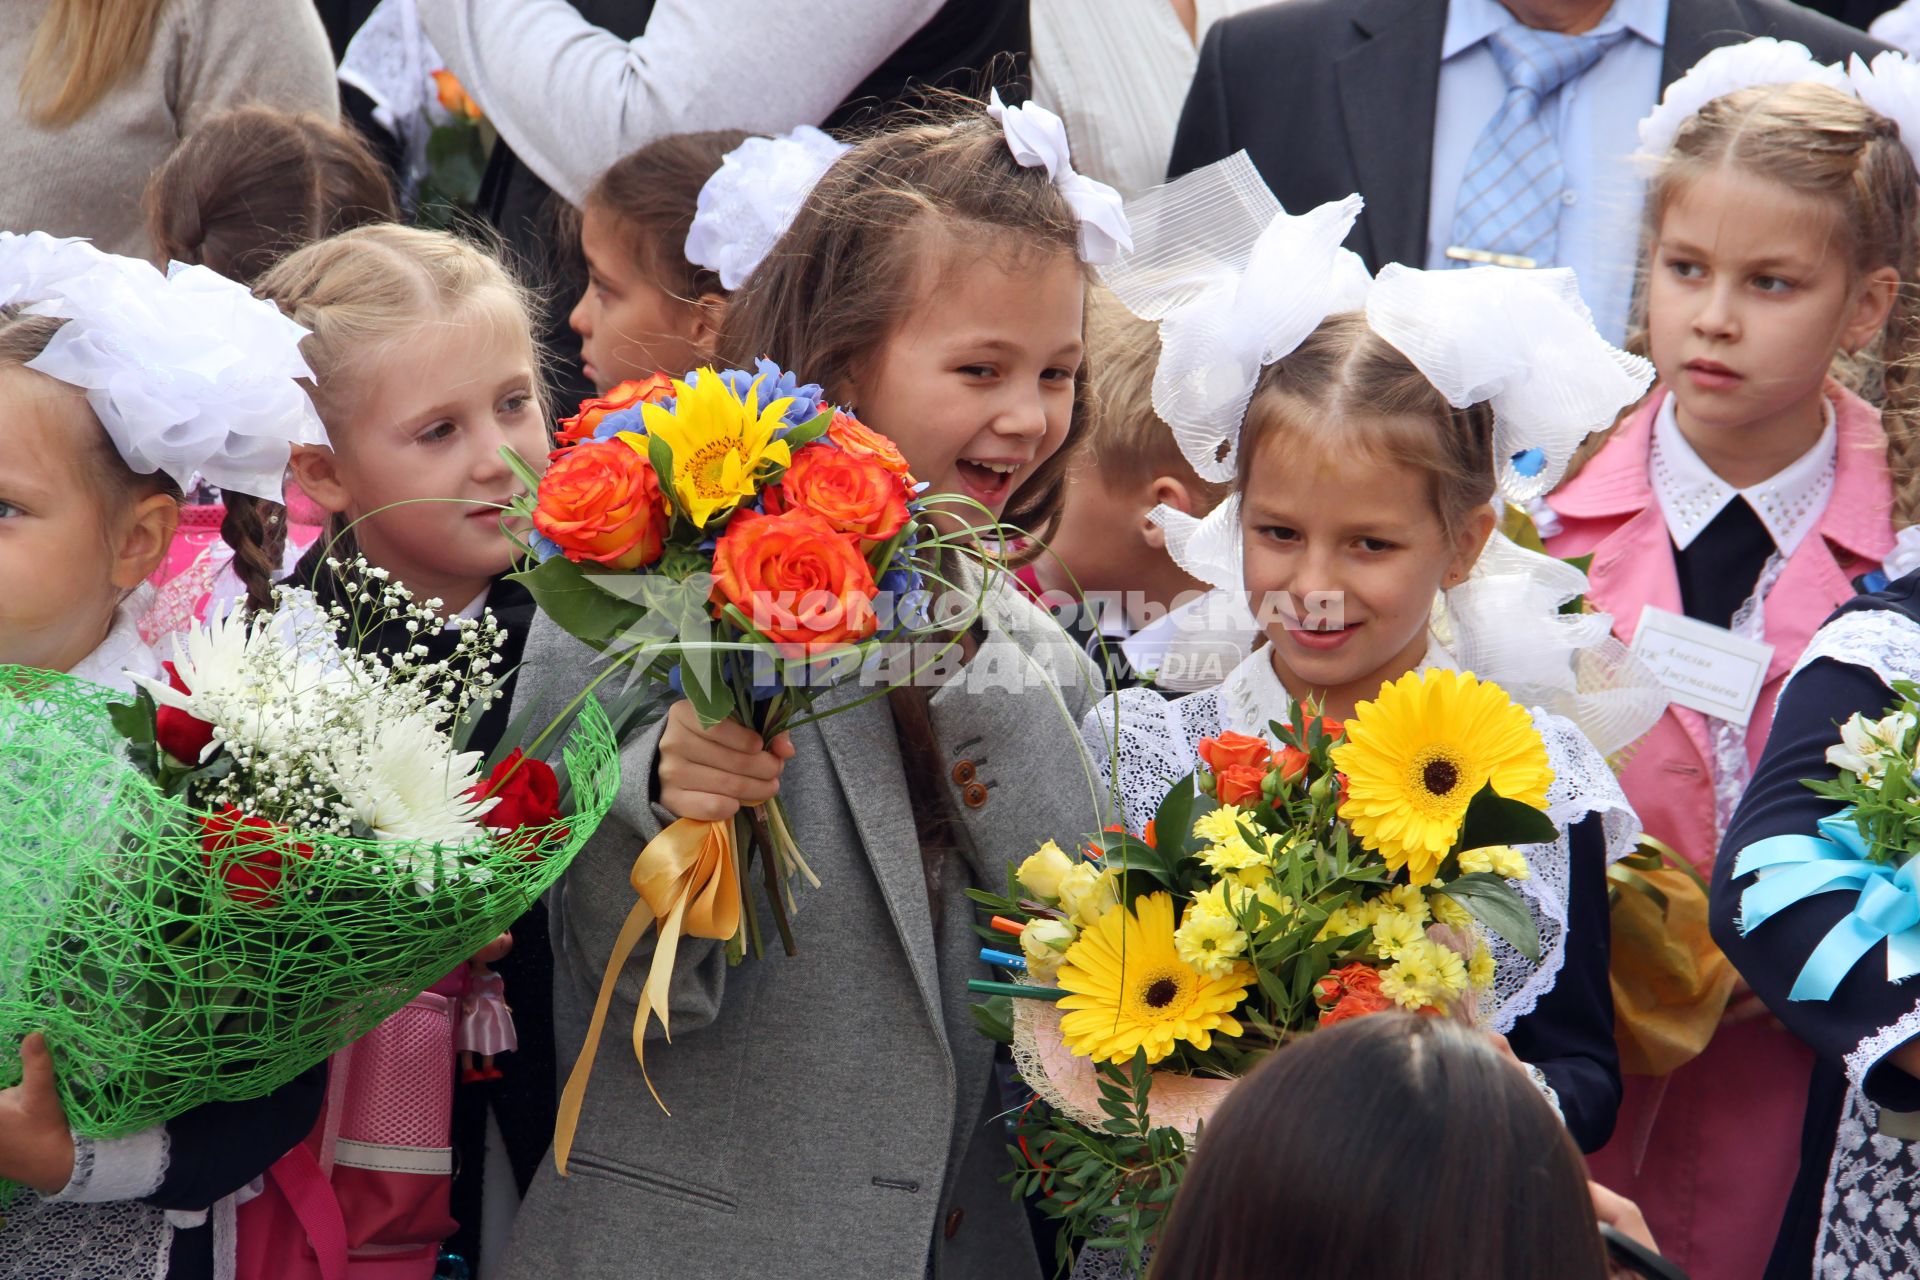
(1037, 137)
(35, 265)
(190, 374)
(1524, 341)
(1235, 283)
(753, 197)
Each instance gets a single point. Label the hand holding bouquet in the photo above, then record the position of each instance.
(1360, 867)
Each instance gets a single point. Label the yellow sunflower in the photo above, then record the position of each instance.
(1416, 755)
(1131, 990)
(723, 445)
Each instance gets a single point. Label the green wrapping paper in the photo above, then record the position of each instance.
(164, 976)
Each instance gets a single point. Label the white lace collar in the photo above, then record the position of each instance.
(1789, 503)
(123, 650)
(1252, 694)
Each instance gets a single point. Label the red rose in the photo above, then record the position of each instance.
(181, 734)
(1292, 763)
(248, 853)
(1147, 836)
(1239, 784)
(856, 495)
(802, 583)
(623, 396)
(601, 502)
(1235, 748)
(528, 792)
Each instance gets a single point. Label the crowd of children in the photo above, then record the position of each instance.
(1191, 411)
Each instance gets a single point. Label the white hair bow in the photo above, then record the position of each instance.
(1890, 85)
(753, 197)
(1522, 340)
(1038, 137)
(1235, 283)
(1725, 70)
(190, 374)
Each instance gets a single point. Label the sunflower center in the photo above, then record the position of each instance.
(1440, 776)
(708, 465)
(1160, 993)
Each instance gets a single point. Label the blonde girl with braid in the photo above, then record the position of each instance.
(1749, 495)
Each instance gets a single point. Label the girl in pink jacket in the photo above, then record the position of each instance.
(1727, 516)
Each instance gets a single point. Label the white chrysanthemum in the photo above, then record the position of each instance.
(404, 783)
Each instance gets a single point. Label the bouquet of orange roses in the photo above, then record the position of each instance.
(1355, 868)
(735, 539)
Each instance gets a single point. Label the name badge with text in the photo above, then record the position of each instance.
(1705, 668)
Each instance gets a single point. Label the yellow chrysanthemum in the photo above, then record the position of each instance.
(1410, 901)
(1220, 825)
(1129, 989)
(1403, 984)
(723, 446)
(1210, 944)
(1449, 912)
(1416, 755)
(1502, 860)
(1232, 854)
(1480, 968)
(1394, 932)
(1343, 921)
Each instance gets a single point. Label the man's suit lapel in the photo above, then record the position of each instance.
(1388, 88)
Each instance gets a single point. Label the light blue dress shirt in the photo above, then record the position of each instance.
(1595, 119)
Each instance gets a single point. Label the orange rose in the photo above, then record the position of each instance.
(1350, 991)
(856, 495)
(453, 95)
(1239, 783)
(601, 502)
(1235, 748)
(862, 441)
(804, 584)
(623, 395)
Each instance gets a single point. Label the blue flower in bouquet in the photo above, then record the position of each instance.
(543, 547)
(626, 420)
(777, 383)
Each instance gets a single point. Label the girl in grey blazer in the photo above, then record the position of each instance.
(833, 1113)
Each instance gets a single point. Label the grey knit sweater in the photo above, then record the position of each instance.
(86, 178)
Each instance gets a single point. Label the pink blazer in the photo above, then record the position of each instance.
(1609, 510)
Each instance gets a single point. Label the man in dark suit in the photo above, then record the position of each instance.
(1334, 96)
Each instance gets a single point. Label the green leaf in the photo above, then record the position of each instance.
(1493, 819)
(993, 1018)
(1495, 904)
(810, 430)
(522, 472)
(576, 605)
(1173, 820)
(660, 454)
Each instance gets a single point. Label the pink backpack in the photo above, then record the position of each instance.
(365, 1196)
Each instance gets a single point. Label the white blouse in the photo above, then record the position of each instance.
(1117, 72)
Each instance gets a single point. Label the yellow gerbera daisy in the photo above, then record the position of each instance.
(1415, 756)
(723, 446)
(1131, 990)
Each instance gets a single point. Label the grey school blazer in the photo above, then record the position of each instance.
(834, 1113)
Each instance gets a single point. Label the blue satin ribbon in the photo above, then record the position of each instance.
(1836, 859)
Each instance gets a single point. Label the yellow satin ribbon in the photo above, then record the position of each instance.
(688, 881)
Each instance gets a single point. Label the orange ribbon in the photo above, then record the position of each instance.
(689, 882)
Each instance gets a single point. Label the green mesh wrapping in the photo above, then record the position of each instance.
(157, 990)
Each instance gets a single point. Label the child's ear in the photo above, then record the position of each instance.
(1168, 491)
(1469, 543)
(1871, 307)
(318, 470)
(144, 538)
(709, 312)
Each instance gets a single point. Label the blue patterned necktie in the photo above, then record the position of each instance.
(1510, 194)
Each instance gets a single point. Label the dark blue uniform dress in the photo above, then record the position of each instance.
(1873, 1198)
